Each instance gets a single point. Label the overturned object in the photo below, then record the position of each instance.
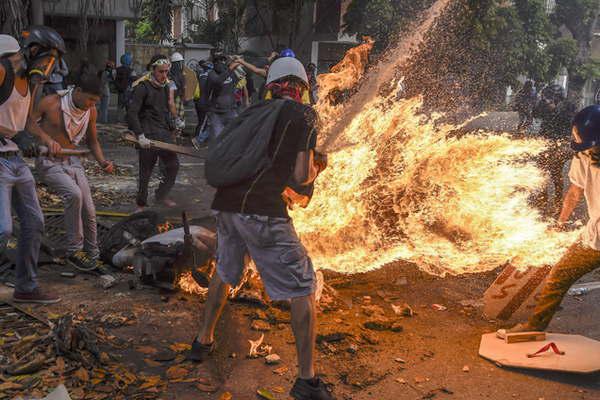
(162, 257)
(577, 354)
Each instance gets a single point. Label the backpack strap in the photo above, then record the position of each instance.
(9, 80)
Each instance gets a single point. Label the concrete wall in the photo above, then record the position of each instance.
(114, 9)
(142, 53)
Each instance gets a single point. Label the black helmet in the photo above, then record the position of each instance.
(45, 37)
(586, 129)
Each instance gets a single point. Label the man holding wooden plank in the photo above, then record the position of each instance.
(68, 117)
(148, 117)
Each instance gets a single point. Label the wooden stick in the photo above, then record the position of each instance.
(156, 144)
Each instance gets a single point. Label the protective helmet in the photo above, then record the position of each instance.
(8, 45)
(285, 67)
(586, 129)
(44, 36)
(126, 59)
(176, 57)
(287, 53)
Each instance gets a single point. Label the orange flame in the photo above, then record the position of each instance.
(188, 284)
(403, 187)
(162, 228)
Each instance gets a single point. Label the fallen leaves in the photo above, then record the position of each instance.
(226, 396)
(177, 372)
(82, 374)
(180, 347)
(146, 350)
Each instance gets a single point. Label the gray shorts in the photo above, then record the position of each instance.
(282, 262)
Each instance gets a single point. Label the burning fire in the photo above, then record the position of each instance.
(188, 284)
(403, 187)
(162, 228)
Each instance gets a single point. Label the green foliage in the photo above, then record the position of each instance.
(381, 19)
(483, 46)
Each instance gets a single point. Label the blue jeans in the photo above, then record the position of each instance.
(103, 116)
(218, 121)
(17, 187)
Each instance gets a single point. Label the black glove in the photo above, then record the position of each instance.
(26, 144)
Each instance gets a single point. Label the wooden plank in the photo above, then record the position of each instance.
(512, 296)
(519, 337)
(156, 144)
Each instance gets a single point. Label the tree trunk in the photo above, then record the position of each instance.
(37, 12)
(13, 16)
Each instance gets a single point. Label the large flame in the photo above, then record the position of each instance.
(404, 187)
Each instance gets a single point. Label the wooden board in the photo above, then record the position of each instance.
(581, 353)
(518, 337)
(512, 296)
(188, 151)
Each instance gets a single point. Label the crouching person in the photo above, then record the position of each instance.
(584, 255)
(70, 117)
(252, 219)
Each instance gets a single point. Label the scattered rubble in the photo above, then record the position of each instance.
(272, 359)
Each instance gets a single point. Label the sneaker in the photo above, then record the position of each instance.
(37, 296)
(200, 352)
(196, 144)
(311, 389)
(83, 261)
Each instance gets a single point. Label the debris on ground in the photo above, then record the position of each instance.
(439, 307)
(272, 359)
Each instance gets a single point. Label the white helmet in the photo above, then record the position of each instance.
(176, 57)
(8, 45)
(286, 66)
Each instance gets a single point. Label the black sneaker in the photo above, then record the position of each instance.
(200, 352)
(311, 389)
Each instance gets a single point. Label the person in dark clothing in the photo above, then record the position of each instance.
(524, 104)
(221, 87)
(252, 219)
(556, 113)
(123, 80)
(202, 103)
(148, 118)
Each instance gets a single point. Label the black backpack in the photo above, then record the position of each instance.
(242, 149)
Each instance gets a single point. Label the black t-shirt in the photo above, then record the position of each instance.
(222, 88)
(295, 131)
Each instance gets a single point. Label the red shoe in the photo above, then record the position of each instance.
(37, 296)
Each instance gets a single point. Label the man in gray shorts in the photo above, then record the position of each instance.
(252, 219)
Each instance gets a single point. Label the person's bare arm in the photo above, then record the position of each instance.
(34, 128)
(572, 198)
(305, 170)
(94, 144)
(251, 67)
